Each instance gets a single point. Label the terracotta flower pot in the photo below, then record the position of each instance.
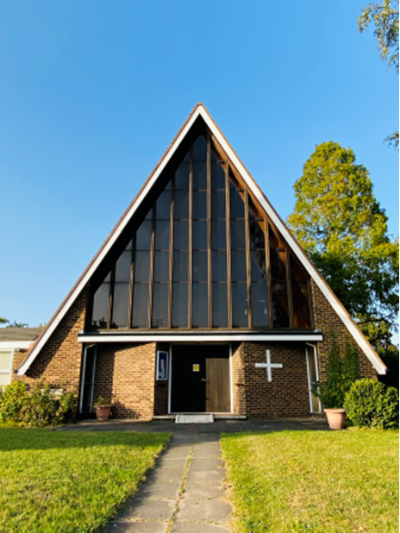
(103, 413)
(335, 417)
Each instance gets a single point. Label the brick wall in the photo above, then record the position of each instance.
(59, 362)
(126, 372)
(326, 319)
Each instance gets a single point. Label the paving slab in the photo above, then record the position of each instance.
(165, 474)
(137, 527)
(204, 491)
(203, 511)
(146, 509)
(189, 527)
(206, 475)
(161, 490)
(205, 463)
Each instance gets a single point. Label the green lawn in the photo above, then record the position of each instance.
(56, 482)
(317, 481)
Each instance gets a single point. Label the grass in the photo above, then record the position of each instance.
(56, 482)
(314, 481)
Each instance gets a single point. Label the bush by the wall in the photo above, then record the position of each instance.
(40, 407)
(372, 404)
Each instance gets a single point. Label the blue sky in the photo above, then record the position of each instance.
(91, 94)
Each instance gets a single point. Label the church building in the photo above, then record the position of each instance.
(199, 301)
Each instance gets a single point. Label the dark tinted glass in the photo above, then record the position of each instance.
(179, 305)
(100, 306)
(159, 317)
(182, 177)
(143, 236)
(278, 265)
(181, 235)
(120, 305)
(236, 203)
(142, 266)
(257, 239)
(238, 240)
(199, 235)
(180, 268)
(219, 268)
(259, 302)
(200, 305)
(257, 265)
(163, 206)
(162, 235)
(239, 305)
(123, 267)
(199, 175)
(280, 305)
(218, 235)
(200, 266)
(217, 176)
(200, 149)
(298, 271)
(218, 204)
(161, 266)
(199, 204)
(140, 305)
(181, 204)
(238, 261)
(219, 305)
(301, 309)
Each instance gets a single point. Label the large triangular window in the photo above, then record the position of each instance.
(204, 257)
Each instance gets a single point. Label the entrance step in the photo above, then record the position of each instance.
(194, 419)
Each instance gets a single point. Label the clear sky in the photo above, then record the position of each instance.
(91, 94)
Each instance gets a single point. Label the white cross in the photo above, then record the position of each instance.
(268, 365)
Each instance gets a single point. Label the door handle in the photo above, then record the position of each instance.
(203, 379)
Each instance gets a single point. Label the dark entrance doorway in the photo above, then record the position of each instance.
(200, 379)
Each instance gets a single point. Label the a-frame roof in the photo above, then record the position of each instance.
(200, 111)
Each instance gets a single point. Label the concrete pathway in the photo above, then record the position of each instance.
(183, 494)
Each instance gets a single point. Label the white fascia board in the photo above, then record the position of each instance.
(343, 315)
(14, 345)
(313, 337)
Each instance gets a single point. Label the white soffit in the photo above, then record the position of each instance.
(229, 337)
(201, 111)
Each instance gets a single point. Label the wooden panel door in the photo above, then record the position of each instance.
(217, 385)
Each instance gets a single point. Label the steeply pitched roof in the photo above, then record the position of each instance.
(200, 111)
(19, 334)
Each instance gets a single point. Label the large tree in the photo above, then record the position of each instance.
(385, 18)
(343, 228)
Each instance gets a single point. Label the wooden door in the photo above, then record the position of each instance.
(218, 385)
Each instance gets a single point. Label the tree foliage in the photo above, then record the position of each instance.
(385, 18)
(343, 228)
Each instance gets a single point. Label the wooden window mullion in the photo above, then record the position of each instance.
(111, 297)
(190, 251)
(268, 275)
(151, 273)
(248, 266)
(171, 252)
(209, 265)
(131, 282)
(228, 246)
(310, 304)
(289, 287)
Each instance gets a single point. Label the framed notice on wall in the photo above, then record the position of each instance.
(162, 366)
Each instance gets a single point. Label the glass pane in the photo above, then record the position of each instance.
(162, 235)
(278, 265)
(181, 204)
(200, 266)
(257, 239)
(88, 384)
(143, 236)
(100, 306)
(199, 235)
(123, 267)
(163, 206)
(161, 266)
(218, 204)
(259, 302)
(181, 235)
(120, 305)
(199, 204)
(219, 266)
(315, 404)
(217, 175)
(159, 317)
(5, 379)
(199, 175)
(218, 235)
(180, 268)
(142, 266)
(298, 271)
(182, 176)
(280, 305)
(200, 305)
(5, 360)
(200, 149)
(179, 305)
(140, 305)
(257, 265)
(301, 309)
(311, 365)
(238, 260)
(238, 240)
(219, 305)
(239, 305)
(236, 203)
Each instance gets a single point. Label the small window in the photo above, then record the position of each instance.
(312, 370)
(6, 360)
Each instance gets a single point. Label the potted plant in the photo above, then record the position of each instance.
(340, 375)
(102, 408)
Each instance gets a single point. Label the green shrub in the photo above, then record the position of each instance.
(372, 404)
(41, 407)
